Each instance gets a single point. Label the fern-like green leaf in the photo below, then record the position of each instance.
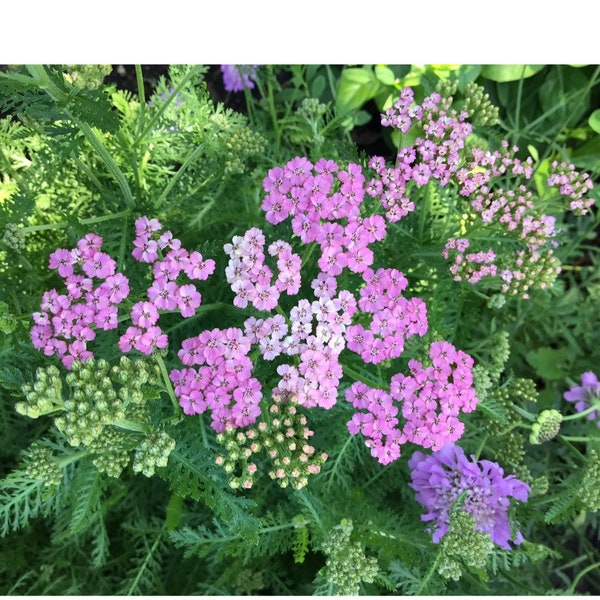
(23, 499)
(86, 492)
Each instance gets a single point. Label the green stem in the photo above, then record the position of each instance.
(424, 207)
(429, 574)
(171, 98)
(572, 587)
(583, 413)
(518, 107)
(96, 143)
(358, 376)
(141, 92)
(129, 425)
(134, 584)
(71, 458)
(188, 161)
(576, 438)
(167, 382)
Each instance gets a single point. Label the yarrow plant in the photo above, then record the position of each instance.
(249, 343)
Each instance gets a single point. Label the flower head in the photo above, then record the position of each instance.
(441, 478)
(586, 395)
(238, 77)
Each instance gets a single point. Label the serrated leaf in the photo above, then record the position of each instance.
(85, 497)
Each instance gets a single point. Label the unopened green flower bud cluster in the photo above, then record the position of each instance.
(546, 426)
(87, 76)
(283, 434)
(110, 451)
(477, 102)
(44, 395)
(463, 545)
(516, 389)
(535, 271)
(346, 564)
(105, 411)
(311, 109)
(243, 144)
(153, 452)
(499, 354)
(41, 464)
(589, 494)
(14, 237)
(478, 105)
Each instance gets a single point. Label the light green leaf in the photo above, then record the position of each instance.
(503, 73)
(355, 88)
(594, 120)
(385, 74)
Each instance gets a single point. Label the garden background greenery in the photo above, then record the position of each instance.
(115, 185)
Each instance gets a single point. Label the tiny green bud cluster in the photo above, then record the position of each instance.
(482, 382)
(243, 144)
(40, 464)
(14, 237)
(44, 395)
(510, 449)
(346, 564)
(93, 405)
(463, 544)
(86, 76)
(311, 109)
(103, 404)
(153, 452)
(283, 434)
(501, 345)
(546, 426)
(525, 389)
(478, 105)
(110, 451)
(589, 493)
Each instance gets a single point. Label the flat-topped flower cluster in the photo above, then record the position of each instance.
(67, 322)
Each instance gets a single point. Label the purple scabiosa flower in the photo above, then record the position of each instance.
(441, 478)
(586, 395)
(238, 77)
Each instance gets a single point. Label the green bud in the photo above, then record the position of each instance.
(546, 427)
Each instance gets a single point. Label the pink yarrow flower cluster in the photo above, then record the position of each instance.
(67, 322)
(436, 155)
(421, 408)
(218, 376)
(169, 262)
(252, 279)
(377, 323)
(323, 203)
(513, 212)
(393, 317)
